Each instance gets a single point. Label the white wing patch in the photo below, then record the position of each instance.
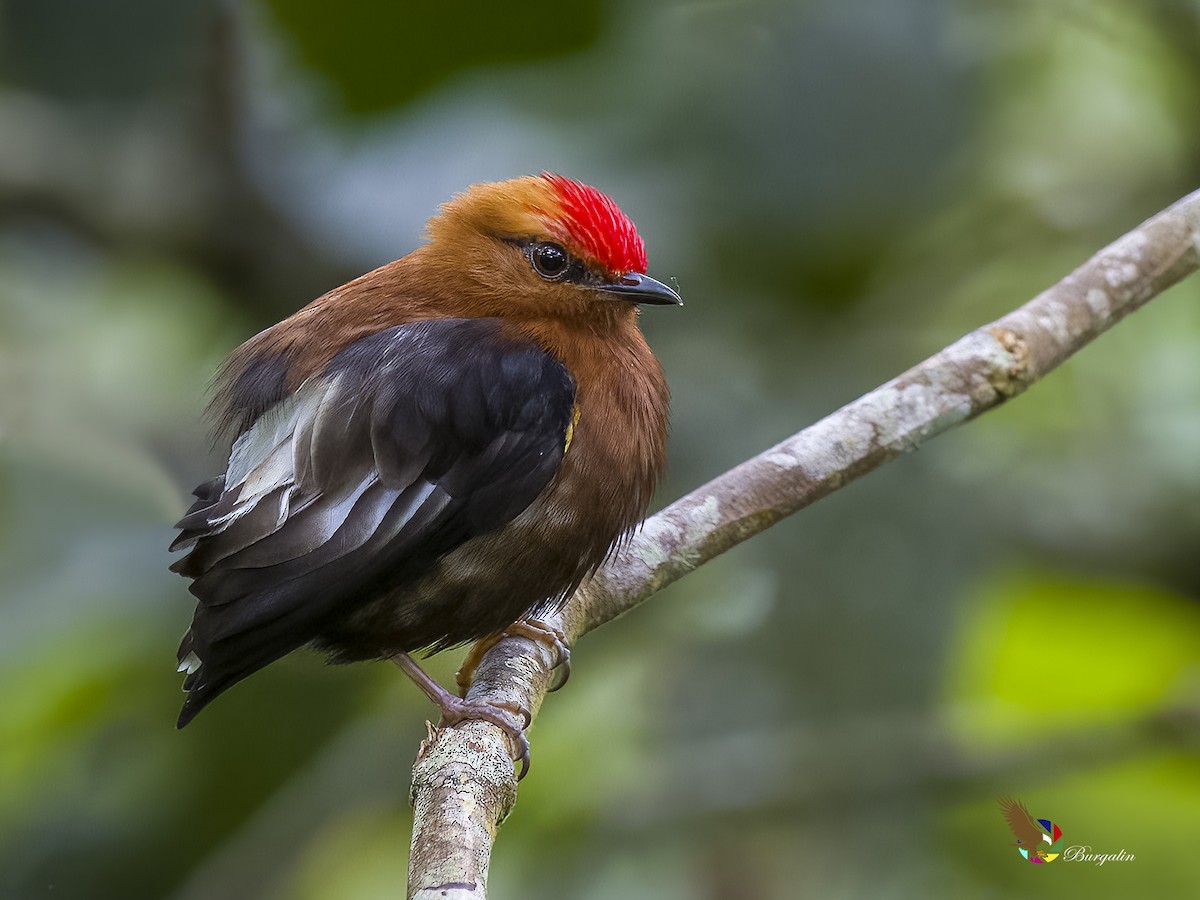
(288, 459)
(264, 459)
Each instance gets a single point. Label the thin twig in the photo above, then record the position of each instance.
(463, 781)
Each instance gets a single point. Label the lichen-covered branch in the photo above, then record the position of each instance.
(463, 781)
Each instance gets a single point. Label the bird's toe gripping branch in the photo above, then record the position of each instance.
(532, 629)
(511, 718)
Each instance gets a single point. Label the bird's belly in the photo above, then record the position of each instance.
(491, 580)
(476, 589)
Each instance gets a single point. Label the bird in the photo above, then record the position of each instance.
(1028, 833)
(436, 450)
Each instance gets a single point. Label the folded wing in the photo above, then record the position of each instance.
(410, 442)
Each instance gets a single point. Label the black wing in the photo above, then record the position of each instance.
(410, 442)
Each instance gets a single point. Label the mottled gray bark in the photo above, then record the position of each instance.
(463, 781)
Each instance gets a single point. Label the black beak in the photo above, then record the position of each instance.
(639, 288)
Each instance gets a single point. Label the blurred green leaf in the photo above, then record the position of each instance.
(380, 55)
(1040, 652)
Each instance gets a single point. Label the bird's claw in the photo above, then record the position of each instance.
(532, 629)
(501, 713)
(544, 633)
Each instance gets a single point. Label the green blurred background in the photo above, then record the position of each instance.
(840, 189)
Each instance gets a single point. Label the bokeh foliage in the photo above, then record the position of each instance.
(839, 190)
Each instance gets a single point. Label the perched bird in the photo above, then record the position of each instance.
(436, 449)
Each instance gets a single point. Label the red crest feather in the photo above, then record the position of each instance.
(596, 225)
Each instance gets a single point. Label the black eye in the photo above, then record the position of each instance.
(549, 260)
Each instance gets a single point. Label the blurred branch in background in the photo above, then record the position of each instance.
(162, 181)
(464, 783)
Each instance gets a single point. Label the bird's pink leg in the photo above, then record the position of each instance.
(532, 629)
(505, 716)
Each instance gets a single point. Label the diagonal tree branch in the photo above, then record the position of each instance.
(463, 780)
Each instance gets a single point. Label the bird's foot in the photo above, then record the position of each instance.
(533, 629)
(545, 633)
(511, 718)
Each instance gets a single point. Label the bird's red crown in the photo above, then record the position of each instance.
(596, 226)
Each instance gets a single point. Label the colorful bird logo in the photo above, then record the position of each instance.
(1038, 840)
